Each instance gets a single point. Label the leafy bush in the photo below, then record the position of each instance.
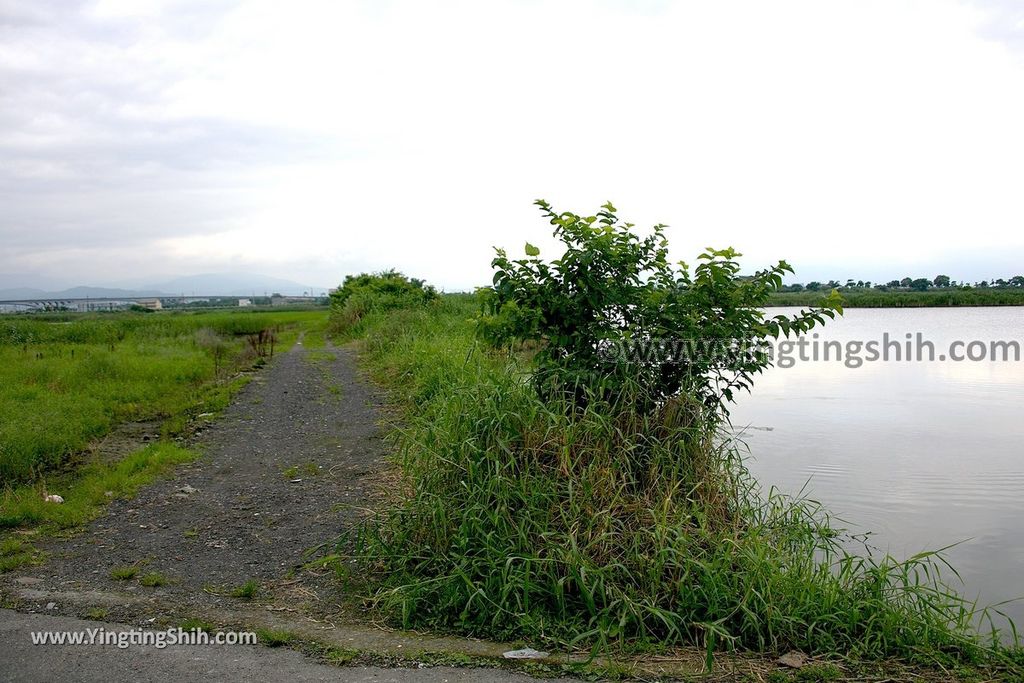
(365, 293)
(612, 312)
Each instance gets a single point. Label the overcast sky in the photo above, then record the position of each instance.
(142, 139)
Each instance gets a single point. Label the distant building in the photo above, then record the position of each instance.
(245, 302)
(151, 304)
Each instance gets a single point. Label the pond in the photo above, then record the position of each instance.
(923, 453)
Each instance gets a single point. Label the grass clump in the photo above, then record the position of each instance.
(341, 656)
(196, 624)
(11, 546)
(153, 580)
(811, 673)
(124, 573)
(274, 637)
(247, 591)
(597, 525)
(15, 554)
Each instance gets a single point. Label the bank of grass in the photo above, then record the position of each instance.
(594, 527)
(68, 380)
(86, 489)
(872, 298)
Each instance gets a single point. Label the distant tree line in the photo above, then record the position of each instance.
(907, 284)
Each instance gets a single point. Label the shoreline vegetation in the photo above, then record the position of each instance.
(873, 298)
(508, 523)
(545, 498)
(906, 293)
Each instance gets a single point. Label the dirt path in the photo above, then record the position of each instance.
(285, 469)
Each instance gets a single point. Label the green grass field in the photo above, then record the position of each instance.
(68, 380)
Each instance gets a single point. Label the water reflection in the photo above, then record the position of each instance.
(924, 453)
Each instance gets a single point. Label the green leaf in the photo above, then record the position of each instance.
(532, 250)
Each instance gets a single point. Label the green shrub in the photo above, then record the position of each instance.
(612, 312)
(153, 580)
(366, 293)
(246, 591)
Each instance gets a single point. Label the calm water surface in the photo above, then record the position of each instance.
(923, 454)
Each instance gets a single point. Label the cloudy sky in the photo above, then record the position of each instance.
(142, 139)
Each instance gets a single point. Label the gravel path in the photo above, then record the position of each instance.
(285, 469)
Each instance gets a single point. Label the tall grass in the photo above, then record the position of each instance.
(599, 526)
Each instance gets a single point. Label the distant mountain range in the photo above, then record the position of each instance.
(213, 284)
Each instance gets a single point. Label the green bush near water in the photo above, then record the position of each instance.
(607, 314)
(612, 520)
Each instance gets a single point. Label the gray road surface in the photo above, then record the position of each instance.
(21, 661)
